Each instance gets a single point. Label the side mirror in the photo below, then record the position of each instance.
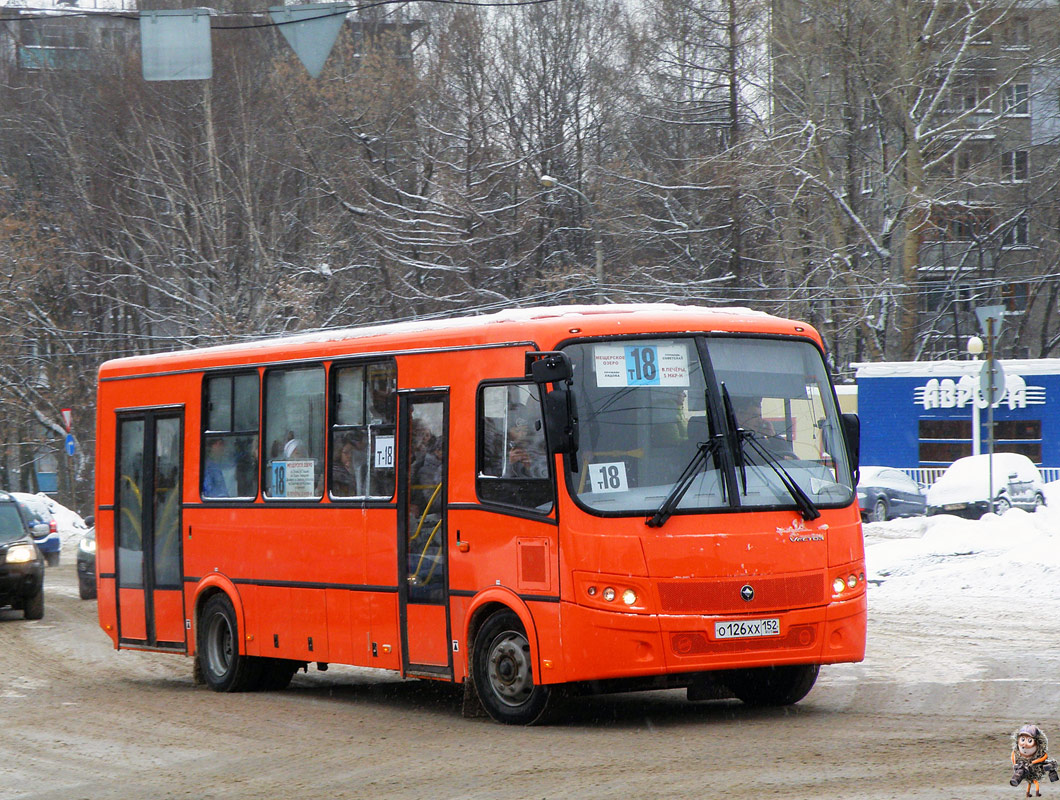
(561, 421)
(852, 431)
(561, 416)
(548, 367)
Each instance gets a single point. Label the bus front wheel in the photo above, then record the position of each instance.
(223, 667)
(503, 673)
(772, 686)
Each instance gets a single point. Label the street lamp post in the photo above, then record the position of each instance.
(598, 245)
(991, 380)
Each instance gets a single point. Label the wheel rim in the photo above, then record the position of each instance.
(508, 669)
(219, 648)
(880, 512)
(1001, 505)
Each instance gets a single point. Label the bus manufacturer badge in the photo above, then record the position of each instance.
(798, 532)
(747, 592)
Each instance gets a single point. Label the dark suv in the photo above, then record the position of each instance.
(21, 563)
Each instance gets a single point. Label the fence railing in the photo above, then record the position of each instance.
(928, 475)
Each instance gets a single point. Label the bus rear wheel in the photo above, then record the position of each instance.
(223, 667)
(772, 686)
(503, 673)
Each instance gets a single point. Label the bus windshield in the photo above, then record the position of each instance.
(759, 413)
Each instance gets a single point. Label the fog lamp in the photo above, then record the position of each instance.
(592, 591)
(609, 594)
(852, 581)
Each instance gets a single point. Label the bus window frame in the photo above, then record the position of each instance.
(204, 438)
(332, 386)
(263, 461)
(501, 507)
(714, 406)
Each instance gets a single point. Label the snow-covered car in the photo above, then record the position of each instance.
(886, 492)
(963, 489)
(42, 525)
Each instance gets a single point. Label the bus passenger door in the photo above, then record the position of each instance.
(423, 571)
(149, 563)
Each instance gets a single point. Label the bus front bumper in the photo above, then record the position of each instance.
(598, 645)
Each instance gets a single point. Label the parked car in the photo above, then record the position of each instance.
(21, 562)
(963, 489)
(86, 562)
(42, 524)
(885, 493)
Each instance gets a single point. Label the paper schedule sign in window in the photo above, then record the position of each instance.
(641, 365)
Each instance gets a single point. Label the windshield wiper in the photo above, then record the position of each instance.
(740, 435)
(802, 500)
(704, 450)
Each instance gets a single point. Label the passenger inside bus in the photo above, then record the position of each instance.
(213, 479)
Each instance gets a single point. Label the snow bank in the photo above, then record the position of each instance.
(968, 566)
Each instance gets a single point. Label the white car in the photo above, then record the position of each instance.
(963, 489)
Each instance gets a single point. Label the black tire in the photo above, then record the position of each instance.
(86, 588)
(276, 674)
(879, 510)
(772, 686)
(33, 608)
(503, 673)
(52, 559)
(1039, 500)
(1001, 505)
(223, 667)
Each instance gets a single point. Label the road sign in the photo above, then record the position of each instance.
(68, 418)
(992, 380)
(71, 446)
(996, 313)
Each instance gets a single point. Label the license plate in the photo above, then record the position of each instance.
(954, 506)
(746, 628)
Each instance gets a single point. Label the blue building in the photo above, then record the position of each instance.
(928, 414)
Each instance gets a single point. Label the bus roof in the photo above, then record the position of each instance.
(543, 326)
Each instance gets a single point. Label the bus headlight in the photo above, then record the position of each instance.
(838, 585)
(621, 593)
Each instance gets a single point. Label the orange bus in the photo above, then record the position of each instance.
(605, 497)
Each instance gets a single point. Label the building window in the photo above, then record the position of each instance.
(230, 437)
(1019, 33)
(975, 98)
(1014, 99)
(1017, 234)
(1014, 165)
(943, 441)
(1023, 436)
(1014, 296)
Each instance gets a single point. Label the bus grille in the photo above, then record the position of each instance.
(722, 596)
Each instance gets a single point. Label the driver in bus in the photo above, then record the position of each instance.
(748, 413)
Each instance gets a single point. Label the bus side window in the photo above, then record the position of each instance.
(229, 463)
(364, 406)
(512, 458)
(294, 432)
